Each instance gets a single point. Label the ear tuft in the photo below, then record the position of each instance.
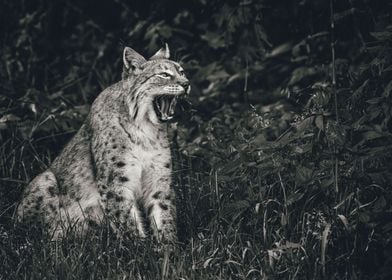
(163, 53)
(132, 59)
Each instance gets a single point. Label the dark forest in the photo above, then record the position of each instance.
(281, 155)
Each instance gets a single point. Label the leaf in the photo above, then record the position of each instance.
(259, 140)
(257, 207)
(326, 183)
(303, 149)
(380, 204)
(283, 219)
(359, 91)
(214, 40)
(301, 73)
(294, 198)
(320, 122)
(375, 100)
(387, 228)
(231, 166)
(335, 132)
(344, 14)
(207, 262)
(253, 270)
(364, 218)
(305, 124)
(388, 89)
(5, 120)
(233, 210)
(232, 262)
(279, 50)
(344, 220)
(370, 135)
(289, 245)
(303, 174)
(9, 118)
(324, 242)
(218, 75)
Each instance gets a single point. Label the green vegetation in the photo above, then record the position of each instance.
(282, 156)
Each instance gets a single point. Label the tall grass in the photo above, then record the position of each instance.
(220, 238)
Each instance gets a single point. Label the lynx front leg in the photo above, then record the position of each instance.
(161, 209)
(118, 192)
(118, 174)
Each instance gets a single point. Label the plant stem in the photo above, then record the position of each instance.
(333, 89)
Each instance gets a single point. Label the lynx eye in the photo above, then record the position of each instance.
(164, 75)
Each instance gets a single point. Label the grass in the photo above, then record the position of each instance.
(221, 238)
(247, 225)
(213, 245)
(29, 253)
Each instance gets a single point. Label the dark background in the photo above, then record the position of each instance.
(268, 150)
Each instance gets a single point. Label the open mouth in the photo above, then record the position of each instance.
(165, 106)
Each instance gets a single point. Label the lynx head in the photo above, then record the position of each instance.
(155, 84)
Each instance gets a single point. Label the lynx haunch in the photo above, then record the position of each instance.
(118, 164)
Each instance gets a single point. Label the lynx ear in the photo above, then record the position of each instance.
(163, 53)
(132, 60)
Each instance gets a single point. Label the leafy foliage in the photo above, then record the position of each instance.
(282, 155)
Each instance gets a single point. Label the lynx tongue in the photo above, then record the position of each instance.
(166, 106)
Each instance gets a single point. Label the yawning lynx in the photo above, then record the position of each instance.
(118, 165)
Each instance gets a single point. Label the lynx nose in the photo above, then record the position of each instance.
(187, 86)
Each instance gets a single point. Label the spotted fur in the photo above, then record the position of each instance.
(118, 165)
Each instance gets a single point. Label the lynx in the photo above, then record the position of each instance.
(118, 165)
